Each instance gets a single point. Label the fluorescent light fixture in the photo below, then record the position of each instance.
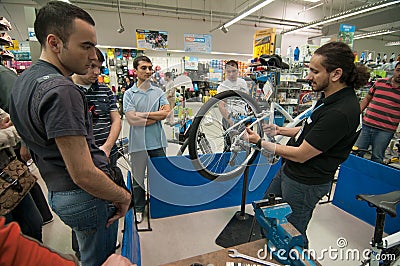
(312, 1)
(345, 14)
(373, 33)
(393, 43)
(246, 13)
(317, 5)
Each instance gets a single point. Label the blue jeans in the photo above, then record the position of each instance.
(27, 215)
(377, 138)
(302, 199)
(138, 162)
(87, 216)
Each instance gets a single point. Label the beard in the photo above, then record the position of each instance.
(321, 86)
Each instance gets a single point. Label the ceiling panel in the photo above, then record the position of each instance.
(221, 11)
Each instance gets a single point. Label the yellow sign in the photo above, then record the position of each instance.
(264, 42)
(15, 46)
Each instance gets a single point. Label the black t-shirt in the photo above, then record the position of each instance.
(333, 129)
(46, 105)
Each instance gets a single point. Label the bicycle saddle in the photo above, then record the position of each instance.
(386, 202)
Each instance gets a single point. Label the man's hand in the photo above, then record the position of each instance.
(271, 130)
(117, 260)
(106, 150)
(25, 154)
(5, 122)
(251, 136)
(122, 209)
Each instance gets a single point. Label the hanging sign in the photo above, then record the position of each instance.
(264, 42)
(150, 39)
(346, 34)
(197, 43)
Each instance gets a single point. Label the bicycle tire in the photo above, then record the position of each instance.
(183, 147)
(219, 162)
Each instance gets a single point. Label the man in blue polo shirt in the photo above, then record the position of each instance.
(145, 106)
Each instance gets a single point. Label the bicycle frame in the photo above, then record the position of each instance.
(270, 115)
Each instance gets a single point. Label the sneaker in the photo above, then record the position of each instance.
(139, 217)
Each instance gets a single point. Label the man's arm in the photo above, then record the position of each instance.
(299, 154)
(287, 131)
(157, 115)
(136, 120)
(114, 132)
(364, 103)
(296, 154)
(77, 158)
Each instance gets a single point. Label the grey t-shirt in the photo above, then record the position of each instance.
(46, 105)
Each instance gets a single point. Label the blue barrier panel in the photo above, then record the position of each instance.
(130, 241)
(360, 176)
(177, 188)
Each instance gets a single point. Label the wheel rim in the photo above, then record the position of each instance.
(219, 150)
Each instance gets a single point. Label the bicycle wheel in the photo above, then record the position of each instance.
(217, 148)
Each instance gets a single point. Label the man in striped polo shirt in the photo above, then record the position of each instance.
(382, 117)
(102, 105)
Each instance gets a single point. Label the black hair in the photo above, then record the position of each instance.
(231, 63)
(398, 63)
(100, 55)
(339, 55)
(140, 58)
(168, 74)
(57, 18)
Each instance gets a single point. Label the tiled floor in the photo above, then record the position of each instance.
(183, 236)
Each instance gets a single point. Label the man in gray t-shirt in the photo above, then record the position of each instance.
(50, 113)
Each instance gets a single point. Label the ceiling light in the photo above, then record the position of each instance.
(317, 5)
(345, 14)
(312, 1)
(392, 43)
(249, 11)
(373, 33)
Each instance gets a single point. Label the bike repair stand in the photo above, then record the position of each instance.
(237, 231)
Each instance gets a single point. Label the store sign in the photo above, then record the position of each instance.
(150, 39)
(197, 43)
(15, 46)
(32, 35)
(191, 63)
(346, 34)
(264, 42)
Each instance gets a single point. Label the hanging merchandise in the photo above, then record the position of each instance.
(106, 71)
(296, 54)
(5, 39)
(5, 25)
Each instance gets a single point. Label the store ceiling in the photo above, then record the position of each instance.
(222, 10)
